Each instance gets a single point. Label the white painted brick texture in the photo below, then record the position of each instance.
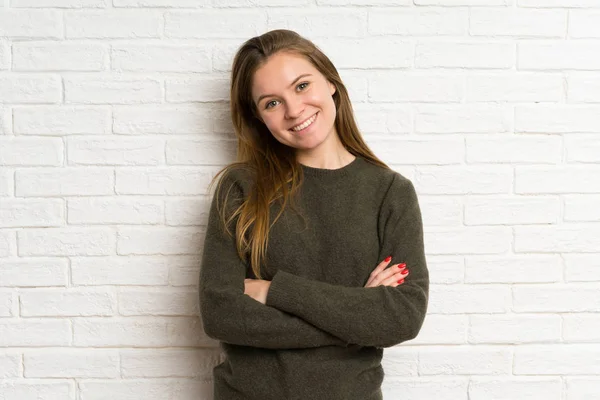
(114, 117)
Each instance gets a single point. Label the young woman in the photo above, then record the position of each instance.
(297, 279)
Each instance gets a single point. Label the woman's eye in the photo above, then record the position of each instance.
(267, 105)
(303, 83)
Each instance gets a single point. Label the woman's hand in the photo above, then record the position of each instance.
(392, 276)
(257, 289)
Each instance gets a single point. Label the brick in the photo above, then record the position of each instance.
(209, 89)
(441, 211)
(501, 388)
(112, 24)
(560, 359)
(449, 118)
(71, 363)
(436, 151)
(140, 332)
(158, 302)
(59, 3)
(383, 118)
(67, 303)
(174, 181)
(165, 58)
(556, 298)
(557, 179)
(582, 208)
(61, 120)
(115, 211)
(481, 3)
(582, 388)
(455, 388)
(66, 242)
(169, 363)
(317, 22)
(37, 389)
(215, 24)
(7, 243)
(21, 89)
(6, 182)
(178, 119)
(21, 24)
(189, 212)
(582, 148)
(401, 360)
(357, 2)
(4, 57)
(148, 389)
(31, 151)
(527, 268)
(581, 328)
(557, 119)
(112, 91)
(582, 267)
(511, 210)
(163, 3)
(5, 120)
(471, 240)
(64, 182)
(121, 151)
(59, 56)
(10, 365)
(415, 87)
(376, 52)
(514, 87)
(36, 272)
(558, 55)
(441, 329)
(138, 271)
(32, 332)
(159, 240)
(451, 180)
(468, 299)
(584, 23)
(6, 303)
(416, 22)
(199, 152)
(583, 87)
(480, 360)
(446, 269)
(514, 329)
(20, 213)
(464, 55)
(514, 149)
(518, 22)
(184, 270)
(566, 238)
(558, 4)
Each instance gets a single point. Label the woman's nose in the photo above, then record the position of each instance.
(294, 109)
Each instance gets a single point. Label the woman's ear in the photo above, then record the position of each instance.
(332, 88)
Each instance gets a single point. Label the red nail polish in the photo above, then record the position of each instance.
(388, 259)
(401, 266)
(401, 281)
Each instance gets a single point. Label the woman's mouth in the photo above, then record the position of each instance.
(305, 125)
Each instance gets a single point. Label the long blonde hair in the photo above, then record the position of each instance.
(272, 168)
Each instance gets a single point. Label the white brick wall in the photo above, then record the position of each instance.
(114, 118)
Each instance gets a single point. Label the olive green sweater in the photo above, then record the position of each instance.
(321, 333)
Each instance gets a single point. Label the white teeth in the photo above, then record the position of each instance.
(304, 125)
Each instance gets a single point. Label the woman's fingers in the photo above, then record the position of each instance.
(396, 279)
(378, 269)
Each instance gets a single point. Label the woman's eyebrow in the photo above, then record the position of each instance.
(295, 80)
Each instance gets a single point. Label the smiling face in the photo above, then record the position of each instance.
(294, 100)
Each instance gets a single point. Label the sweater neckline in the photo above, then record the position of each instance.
(324, 173)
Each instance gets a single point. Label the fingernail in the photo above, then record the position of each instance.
(401, 266)
(388, 259)
(401, 281)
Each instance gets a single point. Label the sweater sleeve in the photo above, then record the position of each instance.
(231, 316)
(382, 316)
